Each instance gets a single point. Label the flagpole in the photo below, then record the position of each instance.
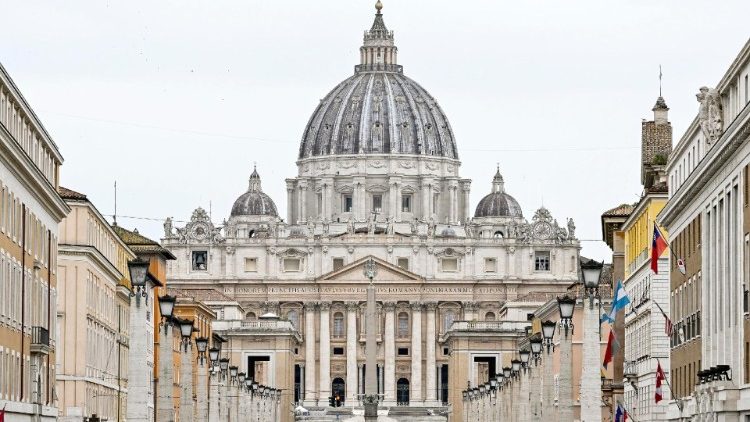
(669, 246)
(630, 416)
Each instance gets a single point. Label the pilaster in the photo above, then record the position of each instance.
(415, 385)
(390, 354)
(324, 387)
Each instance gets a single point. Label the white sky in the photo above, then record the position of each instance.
(176, 99)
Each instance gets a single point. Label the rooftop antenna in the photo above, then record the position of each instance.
(114, 217)
(660, 75)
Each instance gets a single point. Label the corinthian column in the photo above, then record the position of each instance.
(389, 354)
(351, 353)
(415, 390)
(310, 398)
(303, 202)
(431, 389)
(325, 354)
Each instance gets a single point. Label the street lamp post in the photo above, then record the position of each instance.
(201, 393)
(223, 395)
(523, 377)
(548, 398)
(566, 307)
(591, 391)
(213, 394)
(232, 393)
(535, 394)
(508, 392)
(241, 399)
(187, 409)
(139, 374)
(165, 387)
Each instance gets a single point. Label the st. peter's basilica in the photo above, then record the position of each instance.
(378, 176)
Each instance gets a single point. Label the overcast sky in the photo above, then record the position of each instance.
(176, 99)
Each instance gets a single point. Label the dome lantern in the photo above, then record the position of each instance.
(254, 202)
(498, 203)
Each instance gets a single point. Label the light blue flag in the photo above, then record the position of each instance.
(621, 300)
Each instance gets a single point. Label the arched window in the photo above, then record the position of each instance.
(251, 316)
(293, 317)
(489, 316)
(338, 324)
(251, 234)
(498, 235)
(403, 324)
(448, 318)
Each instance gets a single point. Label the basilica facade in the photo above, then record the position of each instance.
(378, 177)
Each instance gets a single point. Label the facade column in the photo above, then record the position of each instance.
(303, 202)
(140, 373)
(290, 201)
(591, 390)
(324, 387)
(351, 353)
(302, 383)
(392, 188)
(332, 198)
(165, 388)
(310, 397)
(439, 376)
(466, 189)
(426, 198)
(389, 354)
(415, 386)
(430, 376)
(361, 385)
(452, 202)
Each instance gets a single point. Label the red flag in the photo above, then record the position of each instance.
(2, 414)
(659, 378)
(658, 246)
(611, 349)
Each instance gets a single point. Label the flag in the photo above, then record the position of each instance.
(612, 346)
(621, 300)
(2, 415)
(668, 326)
(681, 266)
(659, 378)
(658, 246)
(621, 415)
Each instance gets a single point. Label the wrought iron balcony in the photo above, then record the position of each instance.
(40, 340)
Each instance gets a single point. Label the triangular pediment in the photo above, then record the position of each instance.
(386, 273)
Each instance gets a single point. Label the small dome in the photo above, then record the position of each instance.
(254, 201)
(498, 203)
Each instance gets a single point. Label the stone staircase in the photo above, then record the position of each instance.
(398, 413)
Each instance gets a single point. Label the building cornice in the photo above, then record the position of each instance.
(92, 208)
(712, 163)
(67, 250)
(641, 207)
(30, 176)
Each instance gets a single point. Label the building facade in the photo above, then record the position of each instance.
(378, 176)
(93, 312)
(646, 342)
(708, 210)
(30, 210)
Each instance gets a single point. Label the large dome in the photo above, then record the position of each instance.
(498, 203)
(254, 202)
(378, 110)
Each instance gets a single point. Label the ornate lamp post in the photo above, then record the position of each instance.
(165, 387)
(241, 399)
(566, 306)
(535, 395)
(213, 394)
(523, 381)
(232, 392)
(201, 392)
(139, 375)
(187, 409)
(591, 391)
(548, 333)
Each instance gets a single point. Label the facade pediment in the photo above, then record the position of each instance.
(354, 273)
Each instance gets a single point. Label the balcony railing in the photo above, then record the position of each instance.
(40, 340)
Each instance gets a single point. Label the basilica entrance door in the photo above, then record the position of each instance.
(338, 391)
(402, 392)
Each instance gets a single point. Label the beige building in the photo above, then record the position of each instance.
(30, 210)
(93, 314)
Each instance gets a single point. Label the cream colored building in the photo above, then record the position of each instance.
(93, 314)
(30, 210)
(378, 176)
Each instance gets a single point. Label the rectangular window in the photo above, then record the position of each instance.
(292, 264)
(435, 203)
(449, 264)
(403, 263)
(320, 203)
(446, 351)
(338, 263)
(347, 205)
(490, 265)
(251, 265)
(541, 261)
(200, 260)
(403, 351)
(377, 203)
(406, 203)
(338, 351)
